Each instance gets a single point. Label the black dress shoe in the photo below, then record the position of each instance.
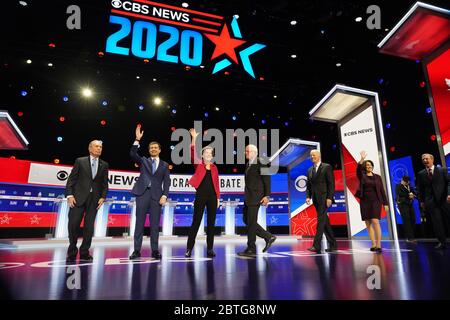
(331, 249)
(378, 250)
(314, 249)
(211, 253)
(86, 257)
(441, 246)
(156, 254)
(135, 255)
(188, 253)
(373, 249)
(269, 243)
(247, 253)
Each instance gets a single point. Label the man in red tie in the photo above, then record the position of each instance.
(433, 187)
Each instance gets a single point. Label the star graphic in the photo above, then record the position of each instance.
(225, 44)
(5, 219)
(111, 220)
(35, 219)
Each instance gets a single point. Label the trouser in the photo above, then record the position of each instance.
(323, 225)
(253, 228)
(199, 206)
(437, 219)
(408, 218)
(144, 203)
(89, 211)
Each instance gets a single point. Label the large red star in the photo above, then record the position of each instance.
(224, 44)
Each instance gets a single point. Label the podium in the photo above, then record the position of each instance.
(230, 217)
(294, 155)
(357, 115)
(423, 34)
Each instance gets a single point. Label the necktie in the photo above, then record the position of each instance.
(430, 174)
(153, 166)
(94, 167)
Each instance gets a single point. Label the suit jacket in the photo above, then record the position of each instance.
(160, 180)
(381, 194)
(257, 186)
(403, 194)
(320, 186)
(80, 181)
(200, 171)
(437, 189)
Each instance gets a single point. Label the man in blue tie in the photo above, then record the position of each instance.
(151, 191)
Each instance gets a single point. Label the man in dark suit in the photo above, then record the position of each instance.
(405, 197)
(320, 188)
(151, 191)
(257, 192)
(433, 188)
(86, 190)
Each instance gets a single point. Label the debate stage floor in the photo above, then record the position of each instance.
(288, 271)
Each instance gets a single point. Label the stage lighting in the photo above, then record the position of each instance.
(428, 110)
(338, 64)
(141, 107)
(388, 125)
(433, 137)
(65, 98)
(62, 119)
(51, 45)
(217, 108)
(29, 61)
(174, 111)
(104, 103)
(172, 147)
(103, 122)
(275, 96)
(293, 22)
(20, 113)
(206, 114)
(23, 93)
(185, 4)
(202, 66)
(56, 161)
(234, 118)
(154, 79)
(50, 64)
(263, 121)
(358, 19)
(59, 139)
(380, 81)
(293, 56)
(137, 77)
(286, 124)
(87, 92)
(236, 16)
(23, 3)
(157, 101)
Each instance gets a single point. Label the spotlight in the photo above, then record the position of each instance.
(322, 31)
(172, 147)
(137, 77)
(392, 149)
(206, 114)
(62, 119)
(101, 54)
(428, 110)
(51, 45)
(104, 103)
(56, 161)
(157, 101)
(236, 16)
(293, 22)
(286, 124)
(263, 121)
(141, 107)
(23, 3)
(29, 61)
(234, 118)
(103, 122)
(380, 81)
(154, 79)
(388, 125)
(50, 64)
(59, 139)
(202, 67)
(261, 78)
(338, 64)
(23, 93)
(65, 98)
(422, 84)
(293, 56)
(185, 4)
(217, 108)
(20, 113)
(275, 96)
(174, 111)
(433, 137)
(358, 19)
(417, 61)
(87, 92)
(234, 152)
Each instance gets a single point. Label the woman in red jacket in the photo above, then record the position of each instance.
(373, 196)
(206, 182)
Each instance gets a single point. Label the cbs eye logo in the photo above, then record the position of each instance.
(300, 183)
(62, 175)
(116, 3)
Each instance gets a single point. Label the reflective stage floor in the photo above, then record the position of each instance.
(287, 271)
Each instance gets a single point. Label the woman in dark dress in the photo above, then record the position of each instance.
(373, 196)
(206, 182)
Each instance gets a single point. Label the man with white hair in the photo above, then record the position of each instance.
(257, 192)
(86, 190)
(320, 188)
(433, 188)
